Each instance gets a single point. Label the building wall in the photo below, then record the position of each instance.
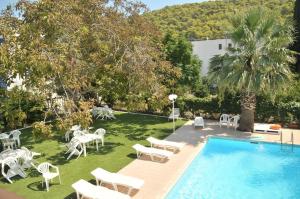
(16, 82)
(206, 49)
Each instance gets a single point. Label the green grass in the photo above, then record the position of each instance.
(122, 133)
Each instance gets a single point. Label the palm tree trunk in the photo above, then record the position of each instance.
(248, 104)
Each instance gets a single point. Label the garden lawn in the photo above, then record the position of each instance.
(122, 133)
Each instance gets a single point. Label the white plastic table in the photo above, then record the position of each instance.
(75, 128)
(88, 137)
(18, 153)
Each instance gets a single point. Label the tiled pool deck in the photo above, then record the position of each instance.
(160, 177)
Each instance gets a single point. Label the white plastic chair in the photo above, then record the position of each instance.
(45, 169)
(176, 114)
(98, 112)
(100, 134)
(78, 133)
(6, 142)
(67, 136)
(5, 151)
(109, 113)
(16, 136)
(234, 121)
(4, 136)
(28, 160)
(75, 127)
(74, 148)
(224, 120)
(13, 170)
(199, 122)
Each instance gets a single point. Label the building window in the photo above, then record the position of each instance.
(229, 45)
(220, 46)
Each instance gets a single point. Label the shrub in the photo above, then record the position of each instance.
(188, 115)
(290, 111)
(41, 131)
(83, 117)
(211, 107)
(18, 107)
(207, 104)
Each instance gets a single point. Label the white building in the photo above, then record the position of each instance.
(16, 82)
(206, 49)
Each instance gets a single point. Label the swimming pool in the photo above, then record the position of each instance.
(231, 169)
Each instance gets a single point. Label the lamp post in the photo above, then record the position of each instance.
(172, 98)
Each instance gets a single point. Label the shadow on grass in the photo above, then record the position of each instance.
(71, 196)
(32, 172)
(61, 158)
(133, 127)
(28, 140)
(148, 158)
(39, 186)
(132, 156)
(103, 150)
(4, 181)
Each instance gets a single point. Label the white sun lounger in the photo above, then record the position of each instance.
(140, 149)
(85, 189)
(165, 144)
(265, 128)
(103, 176)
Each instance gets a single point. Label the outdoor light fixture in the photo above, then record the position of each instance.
(172, 98)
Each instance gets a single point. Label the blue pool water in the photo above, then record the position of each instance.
(230, 169)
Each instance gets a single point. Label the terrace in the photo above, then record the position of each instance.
(117, 155)
(66, 63)
(122, 133)
(162, 177)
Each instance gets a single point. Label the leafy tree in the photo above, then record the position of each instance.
(258, 64)
(76, 51)
(179, 52)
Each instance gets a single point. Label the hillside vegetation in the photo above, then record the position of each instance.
(211, 19)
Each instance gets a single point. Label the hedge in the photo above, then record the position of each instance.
(266, 111)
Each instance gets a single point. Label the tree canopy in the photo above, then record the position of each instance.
(179, 52)
(80, 51)
(212, 18)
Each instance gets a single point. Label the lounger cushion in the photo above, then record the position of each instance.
(275, 126)
(89, 190)
(152, 151)
(165, 143)
(118, 179)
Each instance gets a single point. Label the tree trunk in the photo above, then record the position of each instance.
(298, 63)
(248, 104)
(297, 33)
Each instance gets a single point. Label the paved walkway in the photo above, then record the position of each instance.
(160, 177)
(4, 194)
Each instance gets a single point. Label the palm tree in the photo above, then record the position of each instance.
(258, 62)
(296, 45)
